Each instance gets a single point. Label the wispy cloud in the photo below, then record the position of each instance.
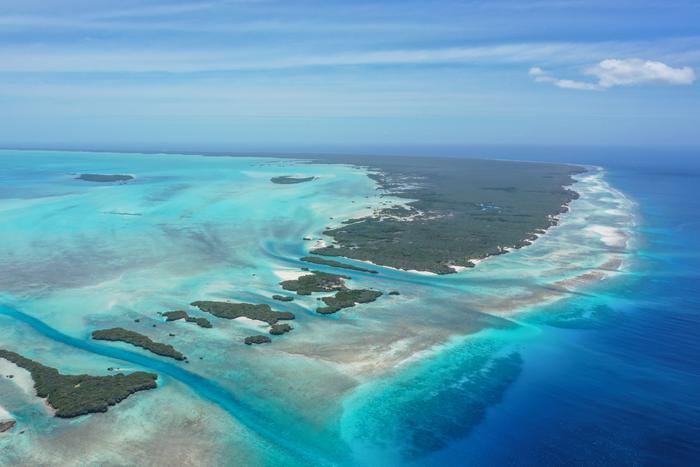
(41, 59)
(616, 72)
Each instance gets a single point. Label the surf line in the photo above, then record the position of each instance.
(201, 386)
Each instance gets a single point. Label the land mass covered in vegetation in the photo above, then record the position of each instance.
(104, 178)
(181, 314)
(289, 180)
(139, 340)
(336, 264)
(228, 310)
(457, 210)
(316, 281)
(75, 395)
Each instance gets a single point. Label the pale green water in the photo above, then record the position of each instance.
(80, 255)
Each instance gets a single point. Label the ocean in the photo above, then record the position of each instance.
(580, 349)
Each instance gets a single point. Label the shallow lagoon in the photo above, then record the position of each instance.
(429, 363)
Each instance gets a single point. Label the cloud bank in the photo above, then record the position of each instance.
(620, 72)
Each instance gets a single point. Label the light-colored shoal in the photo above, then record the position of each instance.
(21, 377)
(289, 274)
(5, 415)
(251, 322)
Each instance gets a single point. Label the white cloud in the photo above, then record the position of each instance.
(541, 76)
(626, 72)
(632, 71)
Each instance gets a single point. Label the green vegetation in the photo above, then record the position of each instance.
(347, 299)
(180, 314)
(139, 340)
(335, 264)
(394, 292)
(457, 210)
(289, 180)
(278, 329)
(257, 340)
(283, 298)
(317, 281)
(229, 310)
(104, 178)
(75, 395)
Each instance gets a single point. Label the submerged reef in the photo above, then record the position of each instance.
(335, 264)
(457, 210)
(104, 178)
(75, 395)
(317, 281)
(346, 299)
(290, 180)
(228, 310)
(138, 340)
(257, 340)
(181, 314)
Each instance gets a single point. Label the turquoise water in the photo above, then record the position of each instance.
(409, 379)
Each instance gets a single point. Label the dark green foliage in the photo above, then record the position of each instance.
(104, 178)
(175, 315)
(394, 292)
(248, 310)
(335, 264)
(283, 298)
(180, 314)
(317, 281)
(289, 180)
(347, 299)
(464, 209)
(278, 329)
(139, 340)
(75, 395)
(257, 340)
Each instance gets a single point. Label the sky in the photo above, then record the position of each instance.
(274, 75)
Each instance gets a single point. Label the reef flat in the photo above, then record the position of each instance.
(75, 395)
(104, 178)
(289, 180)
(457, 210)
(138, 340)
(335, 264)
(228, 310)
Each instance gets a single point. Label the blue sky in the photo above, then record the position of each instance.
(266, 74)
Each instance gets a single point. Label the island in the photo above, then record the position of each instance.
(317, 281)
(290, 180)
(283, 298)
(230, 310)
(335, 264)
(104, 178)
(257, 340)
(138, 340)
(346, 299)
(181, 314)
(456, 210)
(278, 329)
(76, 395)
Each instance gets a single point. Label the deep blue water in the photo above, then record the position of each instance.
(623, 386)
(611, 378)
